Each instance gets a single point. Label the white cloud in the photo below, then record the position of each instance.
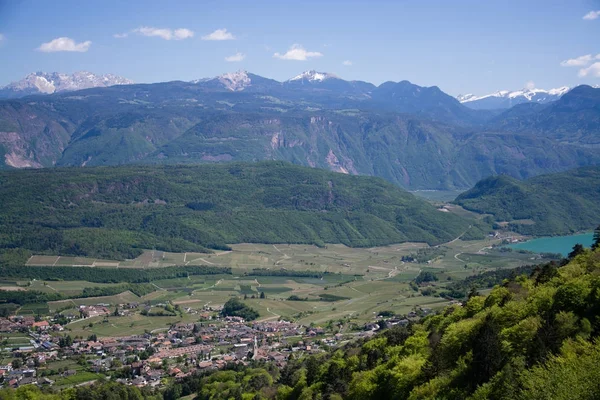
(65, 44)
(183, 33)
(592, 15)
(237, 57)
(580, 61)
(592, 70)
(297, 53)
(588, 61)
(219, 34)
(165, 33)
(120, 35)
(530, 85)
(347, 63)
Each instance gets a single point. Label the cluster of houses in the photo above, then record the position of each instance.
(173, 353)
(144, 360)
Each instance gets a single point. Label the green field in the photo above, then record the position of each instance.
(365, 280)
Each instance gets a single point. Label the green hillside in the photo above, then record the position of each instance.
(550, 204)
(115, 212)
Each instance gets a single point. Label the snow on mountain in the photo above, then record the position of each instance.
(313, 76)
(233, 81)
(507, 99)
(48, 83)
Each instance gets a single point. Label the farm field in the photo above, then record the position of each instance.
(123, 326)
(356, 283)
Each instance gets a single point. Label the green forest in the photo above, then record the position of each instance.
(546, 205)
(116, 212)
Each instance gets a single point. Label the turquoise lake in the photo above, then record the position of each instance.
(555, 244)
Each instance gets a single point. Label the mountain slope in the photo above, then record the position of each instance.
(115, 211)
(555, 204)
(413, 152)
(48, 83)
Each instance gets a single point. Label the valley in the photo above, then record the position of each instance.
(308, 200)
(366, 281)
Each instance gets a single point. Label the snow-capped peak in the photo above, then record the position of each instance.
(313, 76)
(47, 83)
(465, 97)
(235, 81)
(559, 91)
(507, 98)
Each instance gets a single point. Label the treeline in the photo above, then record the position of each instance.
(96, 391)
(22, 297)
(533, 337)
(109, 275)
(287, 272)
(139, 289)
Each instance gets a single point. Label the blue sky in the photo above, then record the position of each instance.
(460, 46)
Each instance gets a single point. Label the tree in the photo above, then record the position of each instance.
(577, 250)
(262, 295)
(235, 308)
(65, 341)
(16, 363)
(596, 242)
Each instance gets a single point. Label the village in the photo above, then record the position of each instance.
(154, 359)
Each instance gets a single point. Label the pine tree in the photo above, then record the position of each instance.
(596, 243)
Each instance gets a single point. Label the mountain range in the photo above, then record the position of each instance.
(504, 99)
(414, 136)
(47, 83)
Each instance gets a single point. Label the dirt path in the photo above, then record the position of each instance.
(275, 316)
(356, 290)
(200, 259)
(459, 259)
(210, 287)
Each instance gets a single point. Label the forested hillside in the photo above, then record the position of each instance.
(115, 212)
(550, 204)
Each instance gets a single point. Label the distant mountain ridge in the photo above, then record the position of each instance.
(48, 83)
(417, 137)
(506, 99)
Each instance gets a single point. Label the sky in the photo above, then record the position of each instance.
(461, 46)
